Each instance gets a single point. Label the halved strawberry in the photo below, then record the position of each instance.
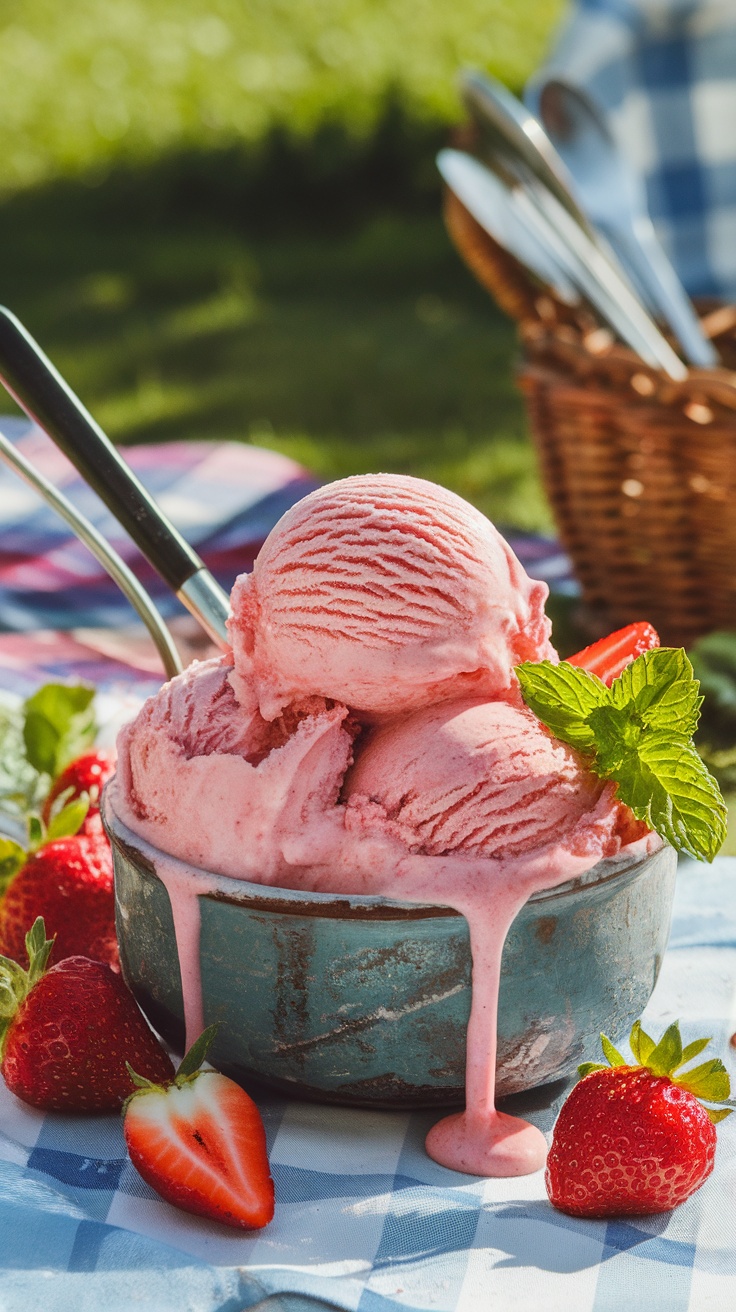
(609, 656)
(200, 1143)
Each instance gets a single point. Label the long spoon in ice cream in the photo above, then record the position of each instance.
(34, 382)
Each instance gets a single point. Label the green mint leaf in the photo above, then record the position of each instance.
(612, 1055)
(638, 734)
(667, 1055)
(667, 785)
(59, 725)
(640, 1043)
(660, 690)
(562, 697)
(587, 1066)
(710, 1081)
(68, 820)
(12, 859)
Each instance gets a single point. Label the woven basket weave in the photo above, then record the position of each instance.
(640, 470)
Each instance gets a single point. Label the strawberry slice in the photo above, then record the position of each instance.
(199, 1142)
(609, 656)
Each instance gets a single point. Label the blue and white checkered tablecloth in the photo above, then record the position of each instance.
(664, 72)
(364, 1220)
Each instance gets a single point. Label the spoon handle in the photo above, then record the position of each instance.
(640, 253)
(30, 377)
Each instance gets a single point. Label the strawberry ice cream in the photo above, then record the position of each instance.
(385, 593)
(368, 736)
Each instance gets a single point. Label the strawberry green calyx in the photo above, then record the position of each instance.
(15, 982)
(190, 1068)
(708, 1082)
(637, 733)
(65, 824)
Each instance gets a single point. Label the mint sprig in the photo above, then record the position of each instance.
(638, 733)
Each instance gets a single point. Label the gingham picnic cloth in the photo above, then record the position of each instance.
(664, 71)
(364, 1221)
(223, 497)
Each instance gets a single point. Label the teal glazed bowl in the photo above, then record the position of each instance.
(365, 1001)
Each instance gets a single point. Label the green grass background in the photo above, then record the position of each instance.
(222, 220)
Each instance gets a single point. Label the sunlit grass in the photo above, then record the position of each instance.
(88, 81)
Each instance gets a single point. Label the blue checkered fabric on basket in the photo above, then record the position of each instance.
(365, 1222)
(665, 73)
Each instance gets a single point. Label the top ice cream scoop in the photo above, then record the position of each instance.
(385, 593)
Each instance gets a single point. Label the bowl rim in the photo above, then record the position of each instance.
(275, 898)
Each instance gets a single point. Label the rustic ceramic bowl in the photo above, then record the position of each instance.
(365, 1001)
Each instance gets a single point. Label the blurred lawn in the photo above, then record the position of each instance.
(87, 82)
(370, 347)
(221, 220)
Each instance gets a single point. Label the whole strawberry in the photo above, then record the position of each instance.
(66, 879)
(84, 777)
(199, 1141)
(635, 1139)
(67, 1033)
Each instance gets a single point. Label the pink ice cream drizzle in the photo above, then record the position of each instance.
(203, 777)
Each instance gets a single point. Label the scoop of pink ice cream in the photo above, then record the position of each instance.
(483, 779)
(226, 791)
(385, 593)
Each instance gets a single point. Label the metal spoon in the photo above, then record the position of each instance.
(511, 147)
(614, 199)
(29, 376)
(495, 208)
(521, 138)
(101, 550)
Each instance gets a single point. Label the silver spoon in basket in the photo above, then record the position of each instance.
(614, 200)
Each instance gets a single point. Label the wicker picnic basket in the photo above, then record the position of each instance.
(640, 470)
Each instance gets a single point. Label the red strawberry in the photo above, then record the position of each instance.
(200, 1143)
(69, 882)
(69, 1031)
(632, 1140)
(609, 656)
(86, 776)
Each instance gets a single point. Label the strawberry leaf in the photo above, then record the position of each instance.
(640, 1043)
(709, 1081)
(191, 1062)
(693, 1050)
(718, 1115)
(667, 1055)
(588, 1066)
(35, 833)
(38, 947)
(59, 725)
(563, 697)
(612, 1055)
(12, 859)
(68, 820)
